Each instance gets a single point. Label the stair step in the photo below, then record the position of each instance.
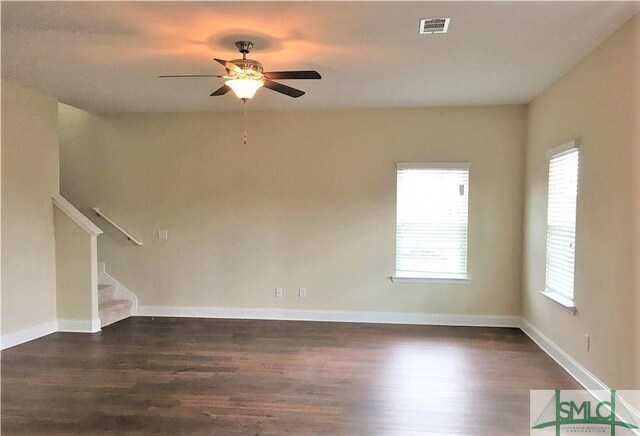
(114, 310)
(106, 293)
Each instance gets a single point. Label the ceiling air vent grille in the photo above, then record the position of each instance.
(434, 25)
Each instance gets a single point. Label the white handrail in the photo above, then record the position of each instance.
(110, 221)
(75, 215)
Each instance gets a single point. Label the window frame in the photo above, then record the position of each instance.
(398, 277)
(559, 299)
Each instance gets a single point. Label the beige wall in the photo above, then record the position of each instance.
(29, 180)
(76, 270)
(309, 202)
(597, 101)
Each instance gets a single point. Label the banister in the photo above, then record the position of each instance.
(113, 223)
(75, 215)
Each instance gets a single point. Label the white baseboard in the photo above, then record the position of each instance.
(79, 325)
(122, 292)
(575, 369)
(44, 329)
(28, 334)
(332, 316)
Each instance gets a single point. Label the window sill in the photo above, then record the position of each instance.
(432, 280)
(563, 302)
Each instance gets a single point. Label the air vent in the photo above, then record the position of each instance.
(434, 25)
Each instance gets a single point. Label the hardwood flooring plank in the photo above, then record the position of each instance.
(148, 375)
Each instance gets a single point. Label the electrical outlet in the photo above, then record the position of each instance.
(302, 292)
(279, 293)
(587, 342)
(163, 234)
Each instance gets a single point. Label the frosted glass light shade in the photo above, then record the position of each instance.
(244, 88)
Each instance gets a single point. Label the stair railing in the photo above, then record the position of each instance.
(114, 224)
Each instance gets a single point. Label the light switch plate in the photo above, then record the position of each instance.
(163, 234)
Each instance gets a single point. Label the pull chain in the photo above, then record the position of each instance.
(244, 138)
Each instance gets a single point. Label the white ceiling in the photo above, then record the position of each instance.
(106, 56)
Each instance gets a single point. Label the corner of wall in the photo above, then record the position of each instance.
(592, 100)
(29, 146)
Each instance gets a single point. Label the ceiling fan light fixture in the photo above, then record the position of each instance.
(245, 88)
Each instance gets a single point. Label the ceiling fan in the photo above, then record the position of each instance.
(245, 76)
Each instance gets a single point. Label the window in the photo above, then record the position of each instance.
(431, 225)
(561, 223)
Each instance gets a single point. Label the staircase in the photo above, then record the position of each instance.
(112, 309)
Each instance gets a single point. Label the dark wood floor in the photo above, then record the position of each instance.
(228, 377)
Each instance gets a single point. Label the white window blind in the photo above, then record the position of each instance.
(431, 226)
(561, 221)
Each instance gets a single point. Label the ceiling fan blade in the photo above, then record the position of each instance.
(220, 91)
(283, 89)
(230, 66)
(188, 75)
(283, 75)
